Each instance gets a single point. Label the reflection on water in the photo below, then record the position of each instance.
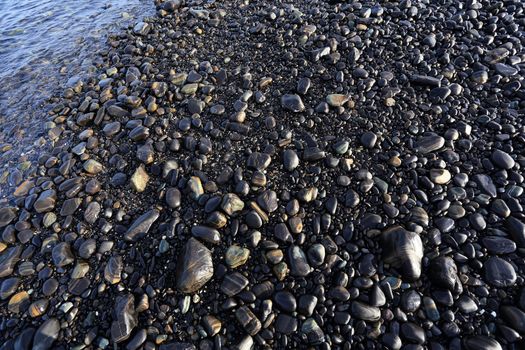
(42, 43)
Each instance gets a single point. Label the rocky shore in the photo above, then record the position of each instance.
(280, 175)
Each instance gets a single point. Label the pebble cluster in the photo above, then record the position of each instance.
(270, 175)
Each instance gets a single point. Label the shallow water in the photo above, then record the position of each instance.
(42, 43)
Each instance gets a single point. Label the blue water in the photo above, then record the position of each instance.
(42, 44)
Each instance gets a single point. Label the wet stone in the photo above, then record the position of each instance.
(62, 254)
(206, 234)
(314, 334)
(292, 103)
(486, 184)
(113, 270)
(316, 254)
(46, 201)
(87, 248)
(7, 214)
(514, 317)
(19, 302)
(38, 308)
(499, 272)
(517, 230)
(303, 85)
(124, 318)
(173, 197)
(285, 324)
(430, 143)
(211, 325)
(216, 219)
(285, 301)
(481, 342)
(298, 262)
(8, 287)
(443, 272)
(440, 176)
(248, 320)
(258, 161)
(268, 201)
(141, 225)
(365, 312)
(46, 334)
(413, 333)
(139, 179)
(290, 160)
(93, 167)
(404, 250)
(195, 187)
(49, 287)
(336, 100)
(8, 260)
(80, 270)
(306, 304)
(236, 256)
(368, 139)
(410, 301)
(78, 286)
(70, 206)
(194, 267)
(92, 212)
(502, 159)
(233, 284)
(231, 203)
(499, 245)
(111, 129)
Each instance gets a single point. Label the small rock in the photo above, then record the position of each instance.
(248, 320)
(139, 179)
(292, 103)
(236, 256)
(336, 100)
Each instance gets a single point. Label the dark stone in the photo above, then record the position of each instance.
(141, 225)
(443, 272)
(8, 260)
(46, 334)
(194, 267)
(233, 283)
(285, 324)
(125, 318)
(285, 301)
(404, 250)
(499, 272)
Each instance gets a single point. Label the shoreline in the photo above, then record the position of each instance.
(243, 175)
(36, 71)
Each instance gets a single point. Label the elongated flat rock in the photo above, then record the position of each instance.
(8, 260)
(141, 226)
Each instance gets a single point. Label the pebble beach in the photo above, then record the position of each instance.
(278, 175)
